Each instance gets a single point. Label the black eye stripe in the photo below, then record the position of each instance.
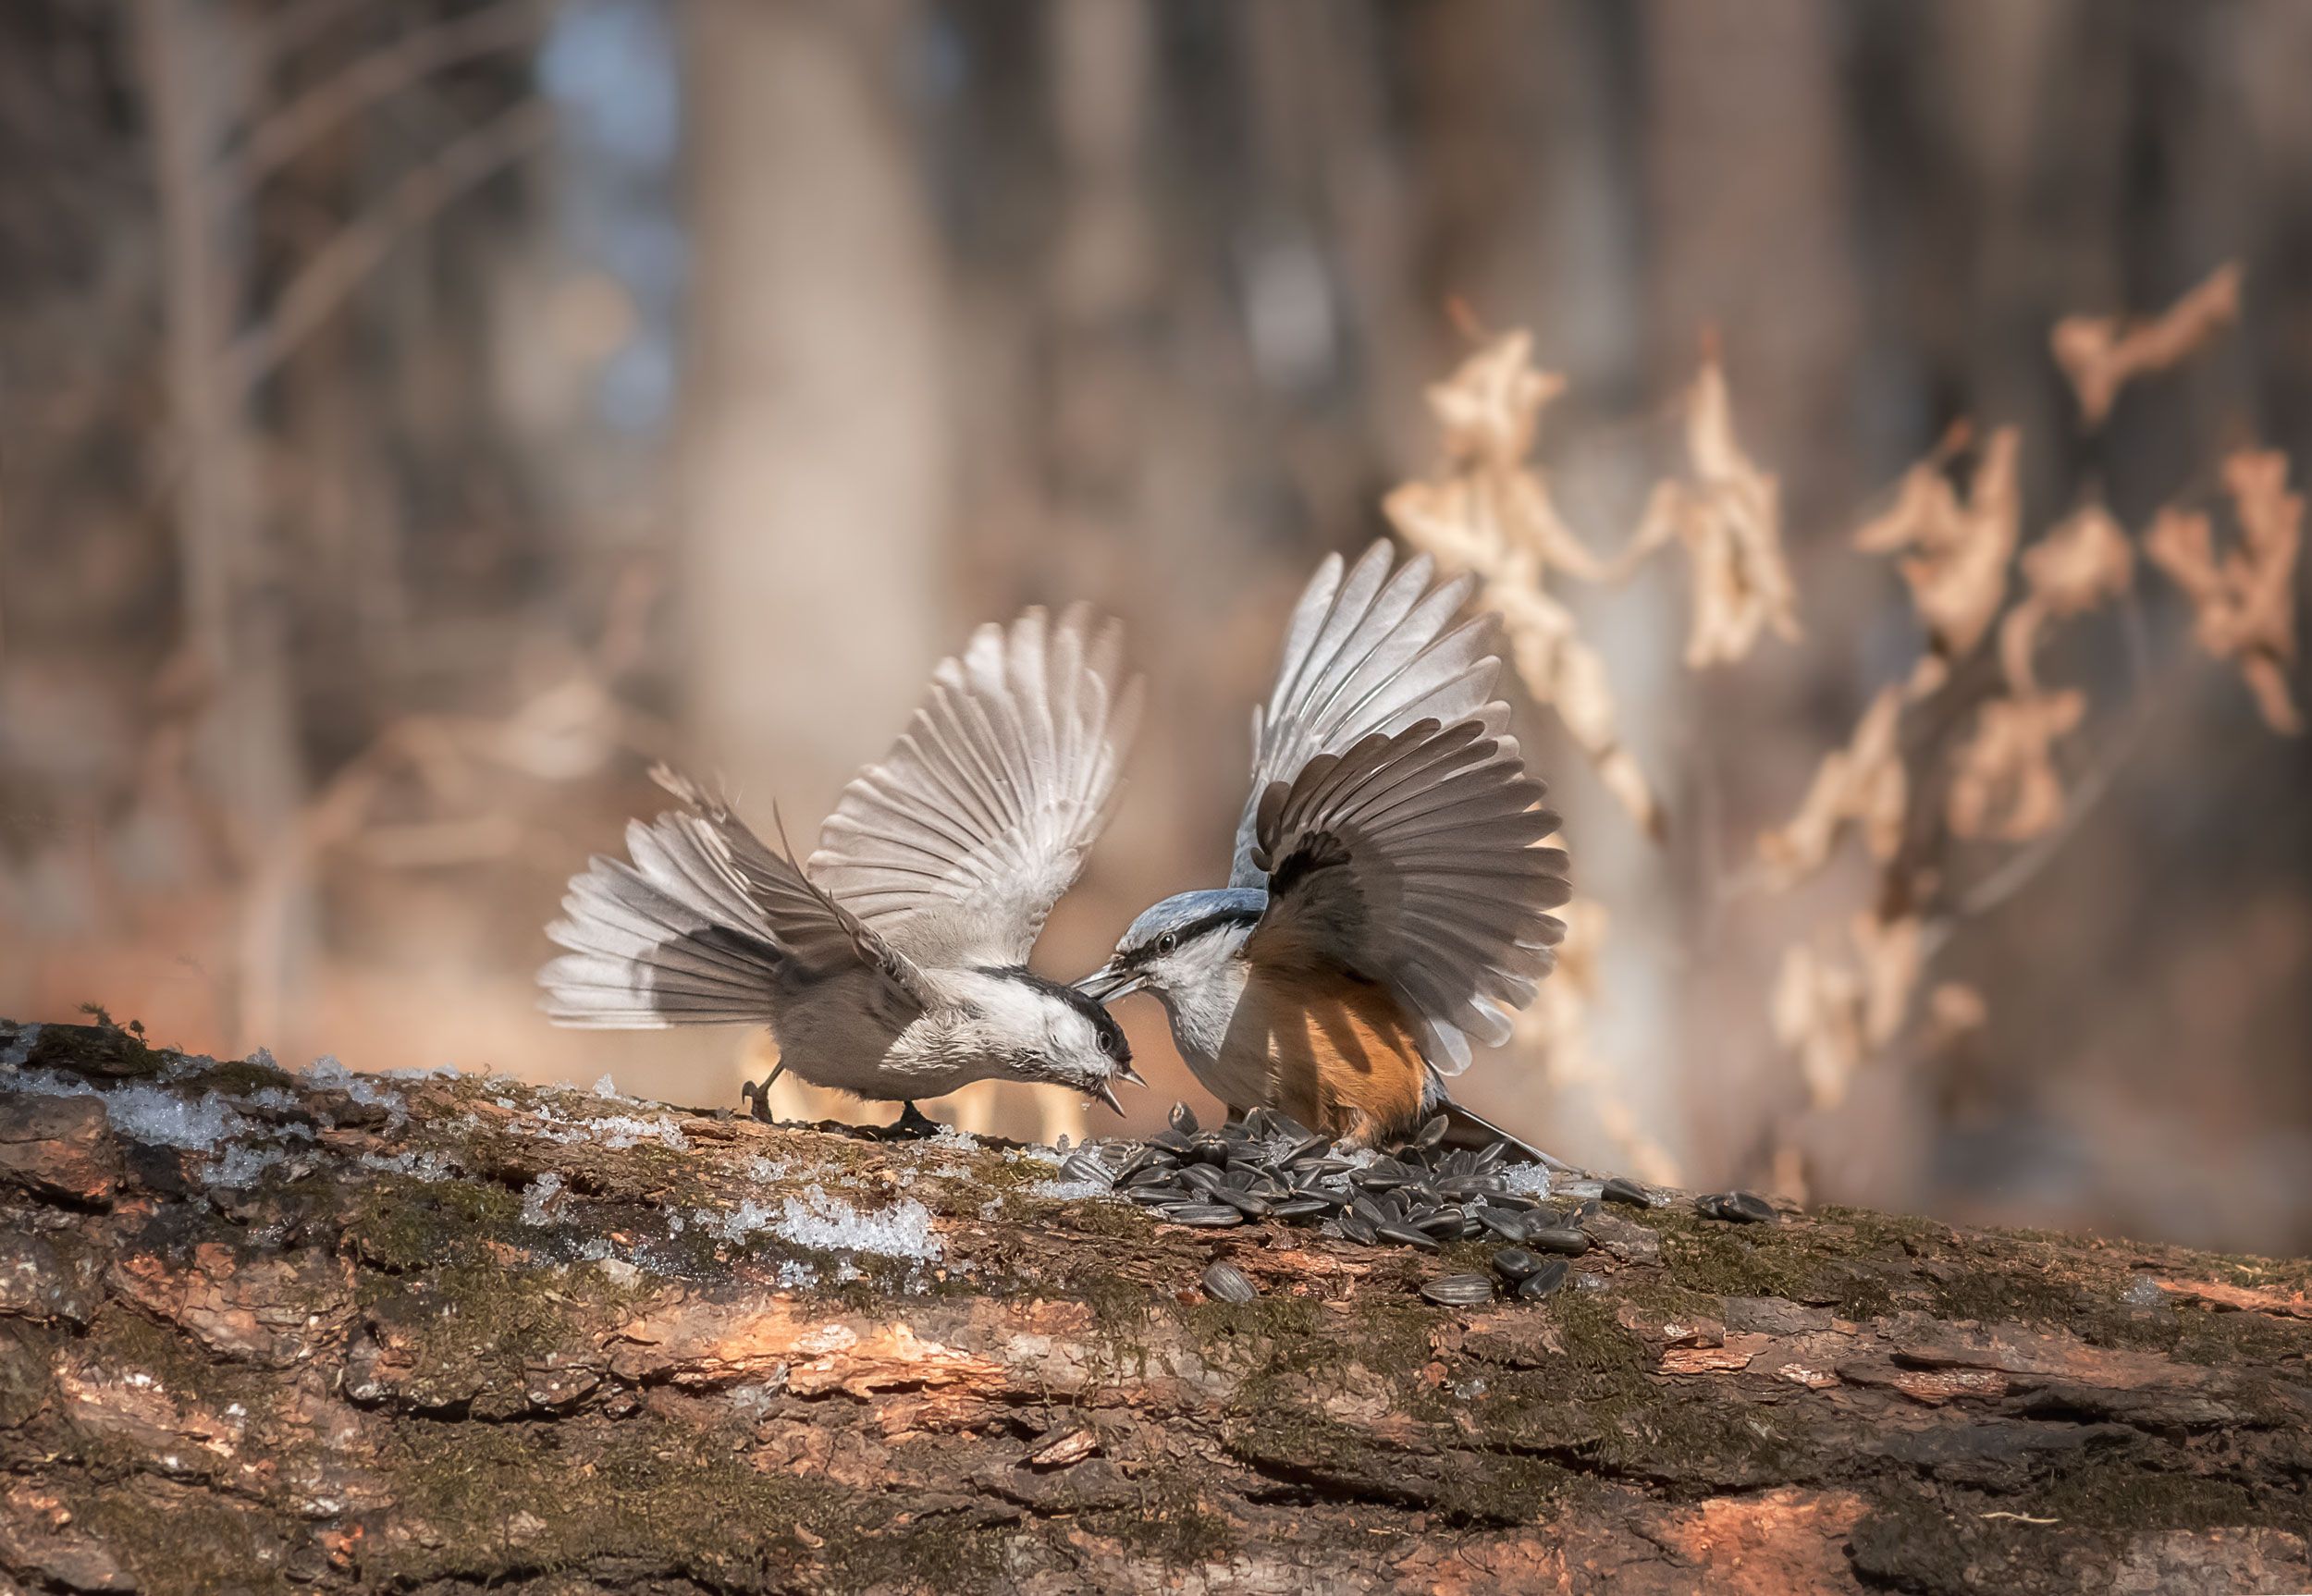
(1193, 929)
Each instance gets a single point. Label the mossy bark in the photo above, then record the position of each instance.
(447, 1334)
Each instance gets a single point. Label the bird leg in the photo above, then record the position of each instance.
(756, 1095)
(913, 1124)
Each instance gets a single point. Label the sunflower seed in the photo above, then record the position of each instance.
(1398, 1231)
(1627, 1191)
(1244, 1202)
(1736, 1207)
(1083, 1169)
(1172, 1142)
(1429, 1135)
(1582, 1211)
(1459, 1290)
(1544, 1281)
(1307, 1147)
(1514, 1263)
(1382, 1174)
(1357, 1227)
(1202, 1175)
(1183, 1118)
(1300, 1208)
(1226, 1283)
(1256, 1123)
(1210, 1215)
(1558, 1238)
(1369, 1210)
(1504, 1224)
(1444, 1223)
(1160, 1195)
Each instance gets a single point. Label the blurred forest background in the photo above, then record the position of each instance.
(417, 416)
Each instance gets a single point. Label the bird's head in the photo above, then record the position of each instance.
(1059, 1035)
(1179, 944)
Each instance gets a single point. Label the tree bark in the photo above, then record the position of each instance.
(436, 1334)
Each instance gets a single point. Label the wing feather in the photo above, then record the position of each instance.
(955, 846)
(1411, 858)
(1366, 651)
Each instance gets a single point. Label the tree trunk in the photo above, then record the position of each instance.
(261, 1332)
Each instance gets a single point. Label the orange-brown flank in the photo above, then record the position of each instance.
(1338, 1053)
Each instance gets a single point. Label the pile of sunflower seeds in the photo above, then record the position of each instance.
(1419, 1195)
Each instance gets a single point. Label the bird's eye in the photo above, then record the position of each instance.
(1107, 1042)
(1167, 942)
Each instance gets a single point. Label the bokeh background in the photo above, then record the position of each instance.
(417, 416)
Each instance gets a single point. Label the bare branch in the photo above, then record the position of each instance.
(338, 268)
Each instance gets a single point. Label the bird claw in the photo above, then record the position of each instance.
(756, 1095)
(913, 1124)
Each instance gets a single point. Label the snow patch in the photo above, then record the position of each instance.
(425, 1166)
(606, 1087)
(536, 1194)
(950, 1139)
(12, 1057)
(1530, 1180)
(830, 1223)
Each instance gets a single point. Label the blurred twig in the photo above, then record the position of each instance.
(340, 264)
(374, 78)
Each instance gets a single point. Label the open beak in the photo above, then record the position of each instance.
(1126, 1070)
(1107, 984)
(1107, 1094)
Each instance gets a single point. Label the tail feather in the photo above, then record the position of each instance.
(1466, 1128)
(666, 941)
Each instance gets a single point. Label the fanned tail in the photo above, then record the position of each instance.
(670, 939)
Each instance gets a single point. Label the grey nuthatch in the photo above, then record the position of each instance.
(894, 965)
(1387, 900)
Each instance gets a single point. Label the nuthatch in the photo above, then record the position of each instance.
(894, 965)
(1387, 900)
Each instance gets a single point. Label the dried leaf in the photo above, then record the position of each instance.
(2004, 783)
(2243, 606)
(1862, 783)
(1954, 1011)
(2101, 356)
(1456, 520)
(1832, 1014)
(1729, 518)
(1958, 579)
(2086, 561)
(1490, 406)
(1891, 959)
(1817, 1013)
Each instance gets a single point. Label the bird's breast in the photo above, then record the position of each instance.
(1333, 1053)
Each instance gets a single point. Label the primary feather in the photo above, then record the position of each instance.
(1410, 859)
(1366, 652)
(956, 845)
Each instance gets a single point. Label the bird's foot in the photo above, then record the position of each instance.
(757, 1095)
(912, 1126)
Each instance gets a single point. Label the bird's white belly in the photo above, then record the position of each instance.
(834, 1036)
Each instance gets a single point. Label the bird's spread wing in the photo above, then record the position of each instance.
(955, 847)
(1409, 859)
(696, 925)
(1365, 652)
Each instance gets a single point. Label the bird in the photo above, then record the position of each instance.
(893, 964)
(1387, 900)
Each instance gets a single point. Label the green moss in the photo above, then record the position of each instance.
(187, 1544)
(238, 1077)
(506, 1500)
(400, 1224)
(1172, 1525)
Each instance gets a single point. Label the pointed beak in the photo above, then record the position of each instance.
(1107, 1094)
(1124, 1071)
(1107, 984)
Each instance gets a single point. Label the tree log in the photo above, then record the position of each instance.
(262, 1331)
